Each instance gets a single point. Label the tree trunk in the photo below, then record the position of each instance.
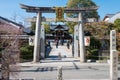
(5, 66)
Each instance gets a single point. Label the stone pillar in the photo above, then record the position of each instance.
(42, 43)
(76, 41)
(36, 55)
(81, 39)
(113, 56)
(113, 65)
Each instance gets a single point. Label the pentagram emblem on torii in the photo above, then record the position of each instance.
(40, 10)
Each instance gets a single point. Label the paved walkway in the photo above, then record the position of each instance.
(73, 69)
(62, 49)
(65, 58)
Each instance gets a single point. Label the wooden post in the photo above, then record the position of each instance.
(59, 73)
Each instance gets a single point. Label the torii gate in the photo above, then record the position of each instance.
(40, 10)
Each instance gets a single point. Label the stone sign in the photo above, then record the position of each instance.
(113, 40)
(113, 57)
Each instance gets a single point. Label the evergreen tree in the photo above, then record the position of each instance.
(117, 24)
(79, 4)
(82, 3)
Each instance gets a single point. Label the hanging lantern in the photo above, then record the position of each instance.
(87, 40)
(31, 40)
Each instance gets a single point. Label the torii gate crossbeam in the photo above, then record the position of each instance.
(52, 9)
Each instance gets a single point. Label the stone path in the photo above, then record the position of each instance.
(65, 52)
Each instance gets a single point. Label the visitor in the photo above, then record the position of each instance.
(68, 44)
(59, 55)
(62, 41)
(49, 44)
(57, 43)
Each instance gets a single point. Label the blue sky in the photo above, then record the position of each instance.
(11, 8)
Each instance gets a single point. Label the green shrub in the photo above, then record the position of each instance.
(92, 50)
(26, 52)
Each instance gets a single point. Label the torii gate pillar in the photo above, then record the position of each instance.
(81, 39)
(36, 55)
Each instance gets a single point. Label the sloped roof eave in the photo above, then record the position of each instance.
(11, 22)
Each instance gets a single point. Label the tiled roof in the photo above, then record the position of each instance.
(64, 27)
(10, 22)
(109, 15)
